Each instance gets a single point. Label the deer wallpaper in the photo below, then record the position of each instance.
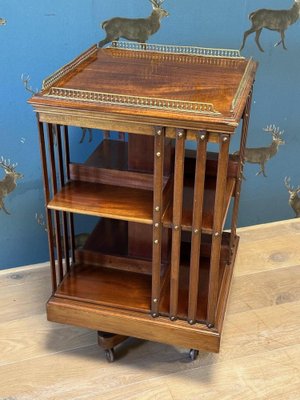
(38, 37)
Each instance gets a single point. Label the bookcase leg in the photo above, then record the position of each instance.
(217, 229)
(246, 116)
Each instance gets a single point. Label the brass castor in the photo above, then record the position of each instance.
(193, 354)
(110, 355)
(108, 341)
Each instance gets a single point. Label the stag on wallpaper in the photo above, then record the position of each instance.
(9, 182)
(260, 155)
(26, 79)
(275, 97)
(138, 30)
(274, 20)
(294, 200)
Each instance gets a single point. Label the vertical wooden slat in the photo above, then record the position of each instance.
(56, 213)
(62, 183)
(70, 215)
(217, 229)
(196, 225)
(157, 217)
(47, 199)
(176, 222)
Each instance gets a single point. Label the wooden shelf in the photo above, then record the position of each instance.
(98, 285)
(106, 201)
(208, 206)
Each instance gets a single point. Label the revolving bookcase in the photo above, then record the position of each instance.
(158, 264)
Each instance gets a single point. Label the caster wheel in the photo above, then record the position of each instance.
(193, 354)
(110, 355)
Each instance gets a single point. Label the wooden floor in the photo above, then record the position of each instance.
(260, 350)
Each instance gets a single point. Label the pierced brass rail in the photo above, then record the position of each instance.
(137, 101)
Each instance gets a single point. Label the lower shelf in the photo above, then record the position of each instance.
(132, 291)
(107, 286)
(115, 301)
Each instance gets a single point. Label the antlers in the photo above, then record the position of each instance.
(7, 166)
(275, 131)
(156, 3)
(287, 181)
(25, 79)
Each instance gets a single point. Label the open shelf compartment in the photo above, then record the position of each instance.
(208, 205)
(123, 245)
(89, 281)
(116, 162)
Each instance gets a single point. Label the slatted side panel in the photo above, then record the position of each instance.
(196, 225)
(159, 140)
(43, 152)
(177, 221)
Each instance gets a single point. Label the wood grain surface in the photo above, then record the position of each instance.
(260, 349)
(186, 81)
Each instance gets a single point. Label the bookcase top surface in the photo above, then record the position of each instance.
(155, 81)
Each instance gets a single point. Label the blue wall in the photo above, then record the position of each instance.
(41, 36)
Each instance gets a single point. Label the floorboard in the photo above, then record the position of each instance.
(260, 349)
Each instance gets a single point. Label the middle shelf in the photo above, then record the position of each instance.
(105, 201)
(130, 196)
(135, 204)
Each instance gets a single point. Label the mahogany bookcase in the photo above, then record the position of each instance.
(158, 265)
